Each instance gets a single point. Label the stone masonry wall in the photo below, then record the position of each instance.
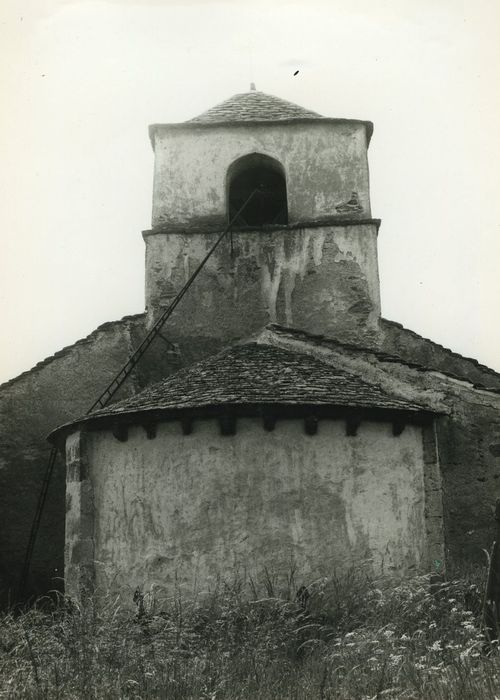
(469, 440)
(411, 347)
(467, 427)
(321, 279)
(59, 389)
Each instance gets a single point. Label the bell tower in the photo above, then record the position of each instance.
(303, 253)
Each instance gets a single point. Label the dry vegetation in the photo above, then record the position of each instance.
(357, 638)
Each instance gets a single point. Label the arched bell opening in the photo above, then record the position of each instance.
(266, 177)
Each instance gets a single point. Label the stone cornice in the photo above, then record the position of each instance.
(267, 123)
(278, 412)
(270, 228)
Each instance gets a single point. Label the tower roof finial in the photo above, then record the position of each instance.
(252, 86)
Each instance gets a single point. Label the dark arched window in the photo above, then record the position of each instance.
(266, 176)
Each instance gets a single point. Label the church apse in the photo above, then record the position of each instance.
(397, 412)
(223, 506)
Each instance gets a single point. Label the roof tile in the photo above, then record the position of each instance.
(258, 374)
(253, 106)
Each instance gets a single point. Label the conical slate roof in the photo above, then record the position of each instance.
(258, 374)
(253, 106)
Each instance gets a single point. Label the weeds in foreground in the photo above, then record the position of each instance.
(345, 638)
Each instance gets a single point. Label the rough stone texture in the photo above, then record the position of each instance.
(253, 373)
(434, 527)
(192, 508)
(322, 279)
(470, 475)
(323, 162)
(79, 551)
(58, 389)
(413, 348)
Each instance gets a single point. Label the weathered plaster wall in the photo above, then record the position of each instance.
(322, 279)
(324, 163)
(468, 431)
(57, 390)
(200, 506)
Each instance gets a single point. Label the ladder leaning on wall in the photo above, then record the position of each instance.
(108, 394)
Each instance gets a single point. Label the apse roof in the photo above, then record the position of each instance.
(254, 374)
(254, 106)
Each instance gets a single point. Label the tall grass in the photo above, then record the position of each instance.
(345, 637)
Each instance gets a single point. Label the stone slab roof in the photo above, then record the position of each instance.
(253, 106)
(258, 374)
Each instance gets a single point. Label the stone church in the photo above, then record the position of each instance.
(278, 421)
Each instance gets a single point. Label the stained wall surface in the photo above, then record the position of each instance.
(59, 389)
(324, 162)
(322, 279)
(469, 441)
(192, 508)
(467, 425)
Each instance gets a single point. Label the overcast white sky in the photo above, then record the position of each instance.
(81, 81)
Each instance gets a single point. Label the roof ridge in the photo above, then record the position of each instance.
(472, 360)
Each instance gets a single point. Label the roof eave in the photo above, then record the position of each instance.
(153, 128)
(415, 415)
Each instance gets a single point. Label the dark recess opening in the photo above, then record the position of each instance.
(268, 205)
